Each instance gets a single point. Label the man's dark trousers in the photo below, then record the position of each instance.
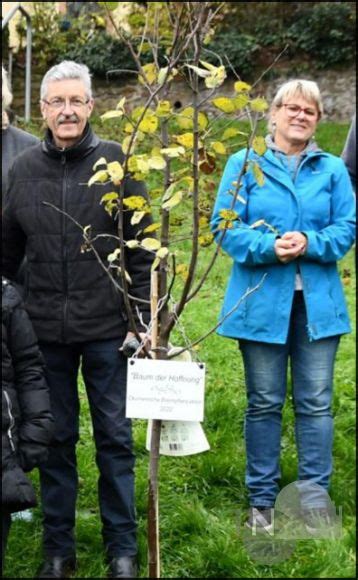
(104, 371)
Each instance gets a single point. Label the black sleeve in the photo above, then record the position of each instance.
(36, 425)
(13, 237)
(138, 261)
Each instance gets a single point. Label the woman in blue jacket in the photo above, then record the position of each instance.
(292, 228)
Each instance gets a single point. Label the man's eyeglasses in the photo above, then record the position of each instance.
(294, 110)
(59, 103)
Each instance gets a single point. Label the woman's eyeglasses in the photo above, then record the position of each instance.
(294, 110)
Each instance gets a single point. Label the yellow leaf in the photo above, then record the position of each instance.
(120, 104)
(240, 86)
(125, 144)
(203, 221)
(173, 151)
(135, 202)
(206, 240)
(152, 228)
(257, 224)
(218, 147)
(187, 140)
(150, 72)
(199, 71)
(185, 118)
(137, 217)
(259, 176)
(101, 161)
(224, 104)
(100, 177)
(149, 124)
(111, 115)
(164, 109)
(109, 197)
(128, 128)
(228, 214)
(208, 65)
(173, 201)
(150, 244)
(162, 253)
(259, 145)
(229, 133)
(216, 77)
(240, 102)
(259, 105)
(155, 264)
(116, 172)
(114, 255)
(157, 162)
(132, 244)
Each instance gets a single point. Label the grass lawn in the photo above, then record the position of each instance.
(201, 496)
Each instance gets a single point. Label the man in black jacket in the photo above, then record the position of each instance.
(77, 312)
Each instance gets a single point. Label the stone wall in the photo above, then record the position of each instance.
(338, 92)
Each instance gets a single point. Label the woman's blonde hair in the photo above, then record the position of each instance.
(307, 89)
(6, 98)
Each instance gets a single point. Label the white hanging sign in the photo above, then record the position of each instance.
(180, 438)
(165, 389)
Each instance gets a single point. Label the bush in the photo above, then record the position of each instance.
(327, 32)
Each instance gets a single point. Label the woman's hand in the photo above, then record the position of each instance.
(290, 246)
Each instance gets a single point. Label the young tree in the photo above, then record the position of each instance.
(183, 146)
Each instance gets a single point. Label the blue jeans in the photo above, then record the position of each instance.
(104, 372)
(266, 365)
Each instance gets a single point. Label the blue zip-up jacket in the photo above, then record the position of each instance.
(318, 203)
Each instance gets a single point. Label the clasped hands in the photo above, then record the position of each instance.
(290, 246)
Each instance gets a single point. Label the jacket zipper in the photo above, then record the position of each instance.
(12, 420)
(64, 249)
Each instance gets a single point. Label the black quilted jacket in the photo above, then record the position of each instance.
(68, 295)
(26, 417)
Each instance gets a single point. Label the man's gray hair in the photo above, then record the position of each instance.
(6, 98)
(67, 69)
(307, 89)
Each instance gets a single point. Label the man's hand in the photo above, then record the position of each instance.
(130, 344)
(290, 246)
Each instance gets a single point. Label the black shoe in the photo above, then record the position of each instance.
(122, 567)
(57, 567)
(260, 519)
